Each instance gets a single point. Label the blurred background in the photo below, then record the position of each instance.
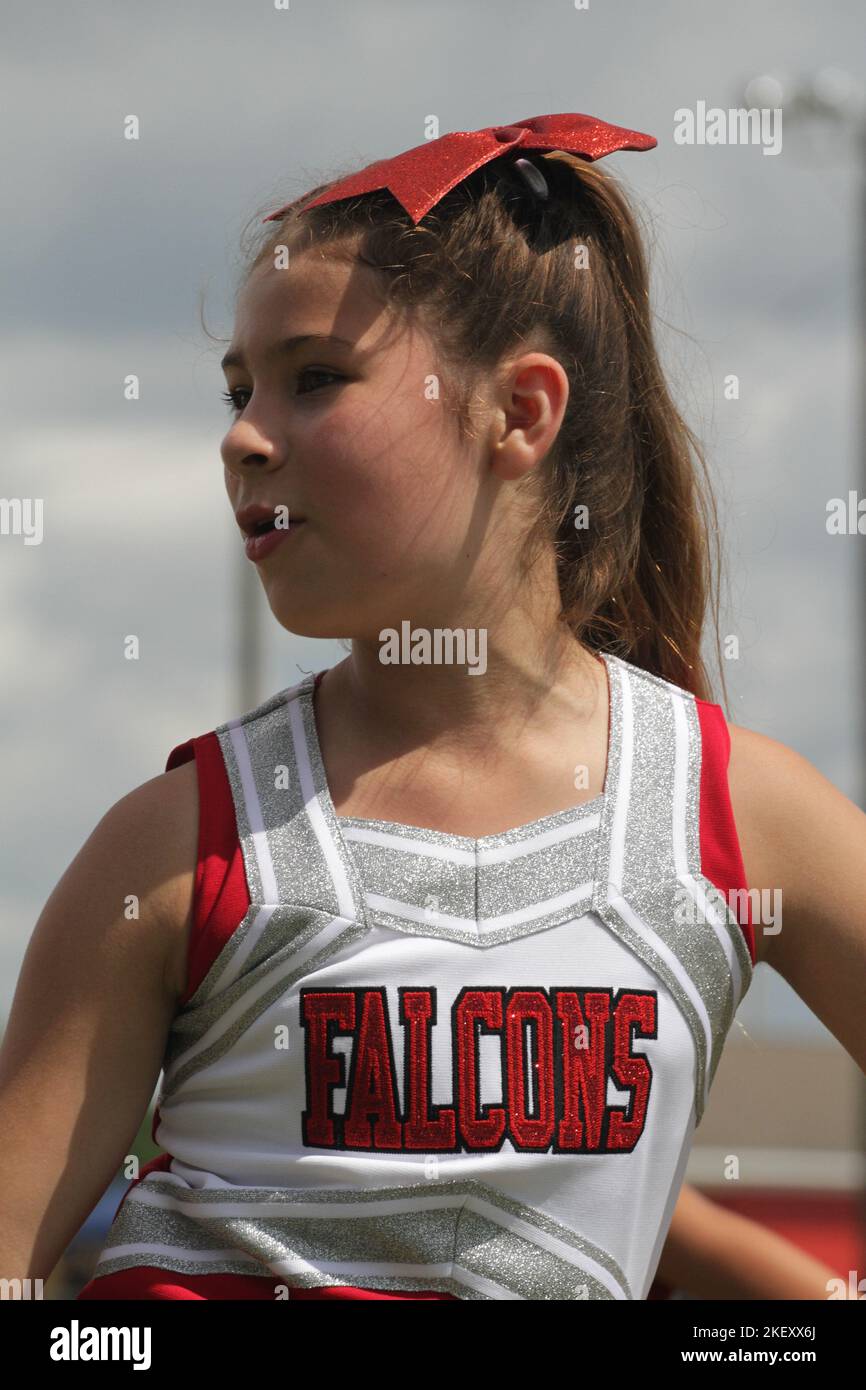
(110, 247)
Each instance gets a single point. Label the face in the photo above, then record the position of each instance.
(346, 431)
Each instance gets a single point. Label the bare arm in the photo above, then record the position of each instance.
(95, 998)
(801, 836)
(711, 1252)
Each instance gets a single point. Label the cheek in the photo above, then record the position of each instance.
(390, 476)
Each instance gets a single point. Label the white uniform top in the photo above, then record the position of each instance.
(428, 1062)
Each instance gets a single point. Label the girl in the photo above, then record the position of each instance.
(437, 950)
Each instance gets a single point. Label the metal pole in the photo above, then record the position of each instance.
(248, 661)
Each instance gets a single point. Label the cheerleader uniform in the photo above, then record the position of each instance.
(410, 1064)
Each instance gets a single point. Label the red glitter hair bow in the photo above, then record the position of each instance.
(419, 177)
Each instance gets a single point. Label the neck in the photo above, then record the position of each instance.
(452, 704)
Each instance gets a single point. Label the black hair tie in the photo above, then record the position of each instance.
(533, 178)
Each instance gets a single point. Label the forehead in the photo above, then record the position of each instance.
(317, 293)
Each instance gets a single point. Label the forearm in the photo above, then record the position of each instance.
(715, 1253)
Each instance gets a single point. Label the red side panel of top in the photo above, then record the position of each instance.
(721, 857)
(221, 894)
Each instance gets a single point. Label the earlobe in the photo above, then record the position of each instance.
(507, 465)
(510, 454)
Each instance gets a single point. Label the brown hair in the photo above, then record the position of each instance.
(490, 267)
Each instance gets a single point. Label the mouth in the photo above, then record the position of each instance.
(266, 529)
(269, 524)
(258, 520)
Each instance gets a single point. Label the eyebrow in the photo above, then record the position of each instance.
(287, 345)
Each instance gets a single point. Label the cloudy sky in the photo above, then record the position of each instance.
(109, 245)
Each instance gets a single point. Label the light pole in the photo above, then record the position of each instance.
(248, 659)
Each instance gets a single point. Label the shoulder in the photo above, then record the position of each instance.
(161, 813)
(776, 792)
(165, 806)
(781, 804)
(763, 778)
(154, 829)
(805, 841)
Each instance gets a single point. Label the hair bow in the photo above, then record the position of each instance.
(419, 177)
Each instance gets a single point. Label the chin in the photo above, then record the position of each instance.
(306, 620)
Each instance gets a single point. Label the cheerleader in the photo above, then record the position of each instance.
(438, 949)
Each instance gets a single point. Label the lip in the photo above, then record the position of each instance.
(249, 517)
(257, 547)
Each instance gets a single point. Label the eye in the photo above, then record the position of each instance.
(231, 399)
(317, 371)
(236, 406)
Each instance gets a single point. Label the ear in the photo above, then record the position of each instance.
(529, 407)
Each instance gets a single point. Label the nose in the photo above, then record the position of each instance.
(248, 446)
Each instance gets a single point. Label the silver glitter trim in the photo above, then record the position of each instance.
(462, 1224)
(491, 935)
(291, 933)
(408, 887)
(280, 972)
(643, 873)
